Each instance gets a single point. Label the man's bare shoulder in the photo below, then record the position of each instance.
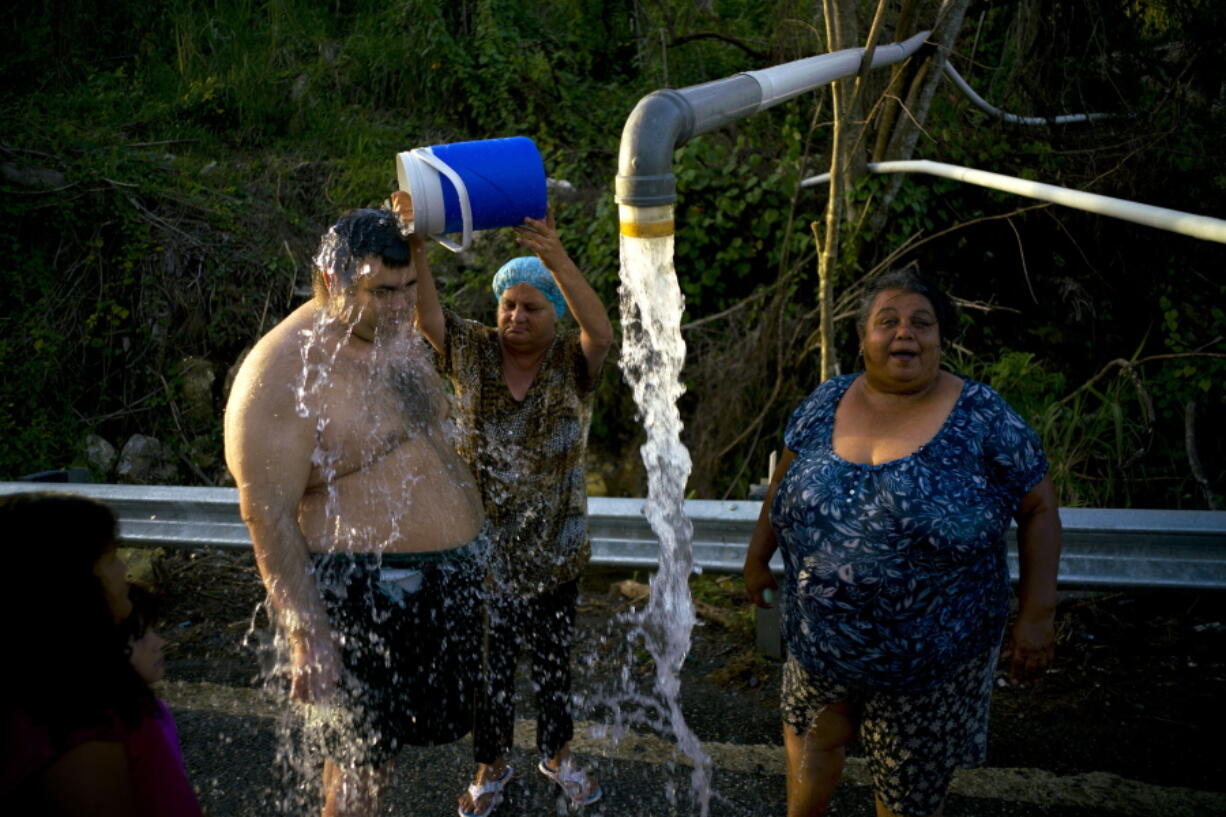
(287, 338)
(273, 365)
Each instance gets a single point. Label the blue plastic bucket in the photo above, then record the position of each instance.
(469, 186)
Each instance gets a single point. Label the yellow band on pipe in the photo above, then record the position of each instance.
(651, 229)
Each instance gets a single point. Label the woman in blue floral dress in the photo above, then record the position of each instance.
(890, 507)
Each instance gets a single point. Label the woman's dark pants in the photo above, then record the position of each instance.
(545, 625)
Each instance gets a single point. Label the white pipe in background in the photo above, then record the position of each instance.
(988, 107)
(1176, 221)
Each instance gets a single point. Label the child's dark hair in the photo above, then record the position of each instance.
(144, 614)
(75, 673)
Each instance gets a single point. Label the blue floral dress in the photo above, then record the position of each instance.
(895, 574)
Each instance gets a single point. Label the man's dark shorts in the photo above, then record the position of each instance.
(410, 628)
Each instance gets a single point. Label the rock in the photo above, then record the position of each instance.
(144, 461)
(145, 567)
(198, 376)
(629, 588)
(100, 454)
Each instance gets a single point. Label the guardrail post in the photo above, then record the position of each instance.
(767, 633)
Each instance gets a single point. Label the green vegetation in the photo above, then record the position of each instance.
(167, 171)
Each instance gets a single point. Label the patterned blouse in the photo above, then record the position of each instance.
(527, 456)
(895, 574)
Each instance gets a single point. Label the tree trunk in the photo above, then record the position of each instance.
(846, 162)
(902, 141)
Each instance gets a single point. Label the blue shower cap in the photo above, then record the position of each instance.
(528, 269)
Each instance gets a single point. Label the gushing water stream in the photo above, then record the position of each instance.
(652, 355)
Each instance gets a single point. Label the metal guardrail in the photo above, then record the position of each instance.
(1102, 547)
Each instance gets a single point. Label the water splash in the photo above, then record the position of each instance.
(398, 361)
(652, 356)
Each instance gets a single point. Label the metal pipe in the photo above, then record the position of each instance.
(782, 82)
(1176, 221)
(984, 105)
(664, 120)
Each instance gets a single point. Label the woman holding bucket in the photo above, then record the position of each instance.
(525, 392)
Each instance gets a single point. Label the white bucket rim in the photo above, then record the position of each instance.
(422, 182)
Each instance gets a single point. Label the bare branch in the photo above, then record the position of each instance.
(915, 241)
(757, 421)
(157, 220)
(1198, 472)
(1131, 364)
(737, 307)
(710, 35)
(1021, 252)
(981, 306)
(160, 142)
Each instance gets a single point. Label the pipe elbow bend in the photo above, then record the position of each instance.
(659, 122)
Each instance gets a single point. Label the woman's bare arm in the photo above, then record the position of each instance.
(762, 544)
(1038, 546)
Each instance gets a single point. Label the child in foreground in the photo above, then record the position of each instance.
(157, 739)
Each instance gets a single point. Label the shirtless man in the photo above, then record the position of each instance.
(367, 526)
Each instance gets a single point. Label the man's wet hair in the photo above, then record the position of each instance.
(357, 235)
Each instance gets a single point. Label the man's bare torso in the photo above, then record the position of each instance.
(384, 474)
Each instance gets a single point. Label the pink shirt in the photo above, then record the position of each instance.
(155, 761)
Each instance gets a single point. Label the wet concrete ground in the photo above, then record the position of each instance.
(1118, 727)
(230, 746)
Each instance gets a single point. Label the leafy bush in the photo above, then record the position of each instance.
(168, 169)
